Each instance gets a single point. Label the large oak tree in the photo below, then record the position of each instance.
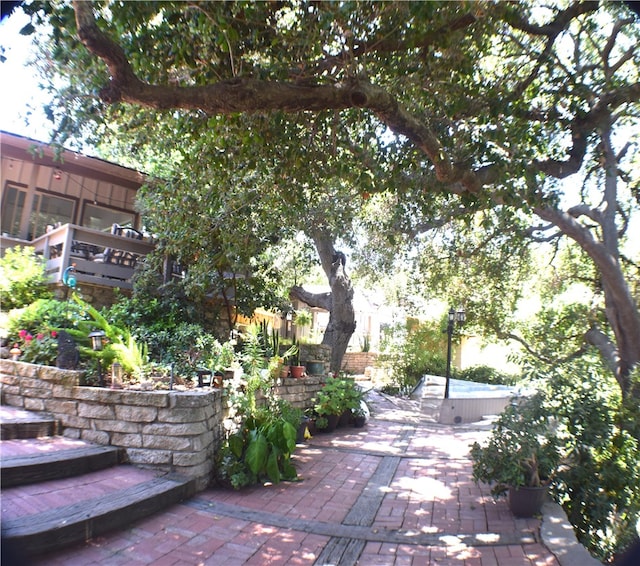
(461, 105)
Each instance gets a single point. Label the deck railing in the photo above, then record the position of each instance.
(99, 258)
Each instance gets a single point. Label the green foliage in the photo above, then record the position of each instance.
(486, 374)
(44, 315)
(41, 348)
(260, 451)
(151, 310)
(523, 449)
(411, 350)
(600, 486)
(120, 344)
(261, 448)
(337, 395)
(302, 318)
(22, 278)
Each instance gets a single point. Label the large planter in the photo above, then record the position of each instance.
(526, 501)
(315, 368)
(332, 423)
(345, 418)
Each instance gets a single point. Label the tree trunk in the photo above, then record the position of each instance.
(339, 302)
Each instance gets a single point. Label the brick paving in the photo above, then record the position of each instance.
(397, 492)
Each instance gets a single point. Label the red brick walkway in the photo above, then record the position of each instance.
(397, 492)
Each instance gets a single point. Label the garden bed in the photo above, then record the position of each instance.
(177, 431)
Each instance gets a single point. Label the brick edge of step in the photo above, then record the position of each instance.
(34, 468)
(64, 526)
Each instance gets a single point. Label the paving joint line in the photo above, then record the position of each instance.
(379, 453)
(365, 533)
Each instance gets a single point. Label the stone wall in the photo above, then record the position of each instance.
(171, 431)
(316, 353)
(95, 295)
(178, 431)
(357, 362)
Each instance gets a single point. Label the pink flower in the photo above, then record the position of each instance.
(54, 334)
(28, 338)
(40, 336)
(22, 333)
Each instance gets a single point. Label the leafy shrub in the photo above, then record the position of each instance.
(41, 348)
(411, 350)
(521, 451)
(600, 488)
(44, 315)
(486, 374)
(22, 278)
(336, 396)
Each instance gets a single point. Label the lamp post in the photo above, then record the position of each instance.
(459, 317)
(96, 345)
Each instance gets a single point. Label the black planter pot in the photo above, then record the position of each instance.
(359, 421)
(527, 501)
(332, 423)
(345, 418)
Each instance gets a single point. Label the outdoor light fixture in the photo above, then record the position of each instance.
(97, 337)
(458, 317)
(116, 376)
(15, 352)
(96, 340)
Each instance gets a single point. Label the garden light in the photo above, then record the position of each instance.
(458, 317)
(116, 376)
(15, 352)
(97, 337)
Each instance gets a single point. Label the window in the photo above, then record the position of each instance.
(12, 207)
(49, 210)
(102, 218)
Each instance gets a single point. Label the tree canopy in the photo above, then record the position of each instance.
(439, 110)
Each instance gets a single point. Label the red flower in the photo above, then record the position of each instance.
(22, 333)
(40, 336)
(54, 334)
(28, 338)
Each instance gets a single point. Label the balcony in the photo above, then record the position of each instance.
(101, 259)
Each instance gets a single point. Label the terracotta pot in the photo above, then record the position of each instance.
(297, 371)
(526, 501)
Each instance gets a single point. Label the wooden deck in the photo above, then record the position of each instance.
(99, 258)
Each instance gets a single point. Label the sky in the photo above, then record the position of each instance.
(20, 85)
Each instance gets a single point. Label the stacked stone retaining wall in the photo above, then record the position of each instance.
(178, 431)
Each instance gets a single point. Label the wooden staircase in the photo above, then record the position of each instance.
(58, 491)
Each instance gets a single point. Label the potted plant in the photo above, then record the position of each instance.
(520, 457)
(297, 370)
(359, 417)
(329, 405)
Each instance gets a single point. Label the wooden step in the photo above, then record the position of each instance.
(18, 423)
(27, 461)
(47, 526)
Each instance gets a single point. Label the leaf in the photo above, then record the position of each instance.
(290, 433)
(273, 470)
(256, 456)
(236, 444)
(288, 470)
